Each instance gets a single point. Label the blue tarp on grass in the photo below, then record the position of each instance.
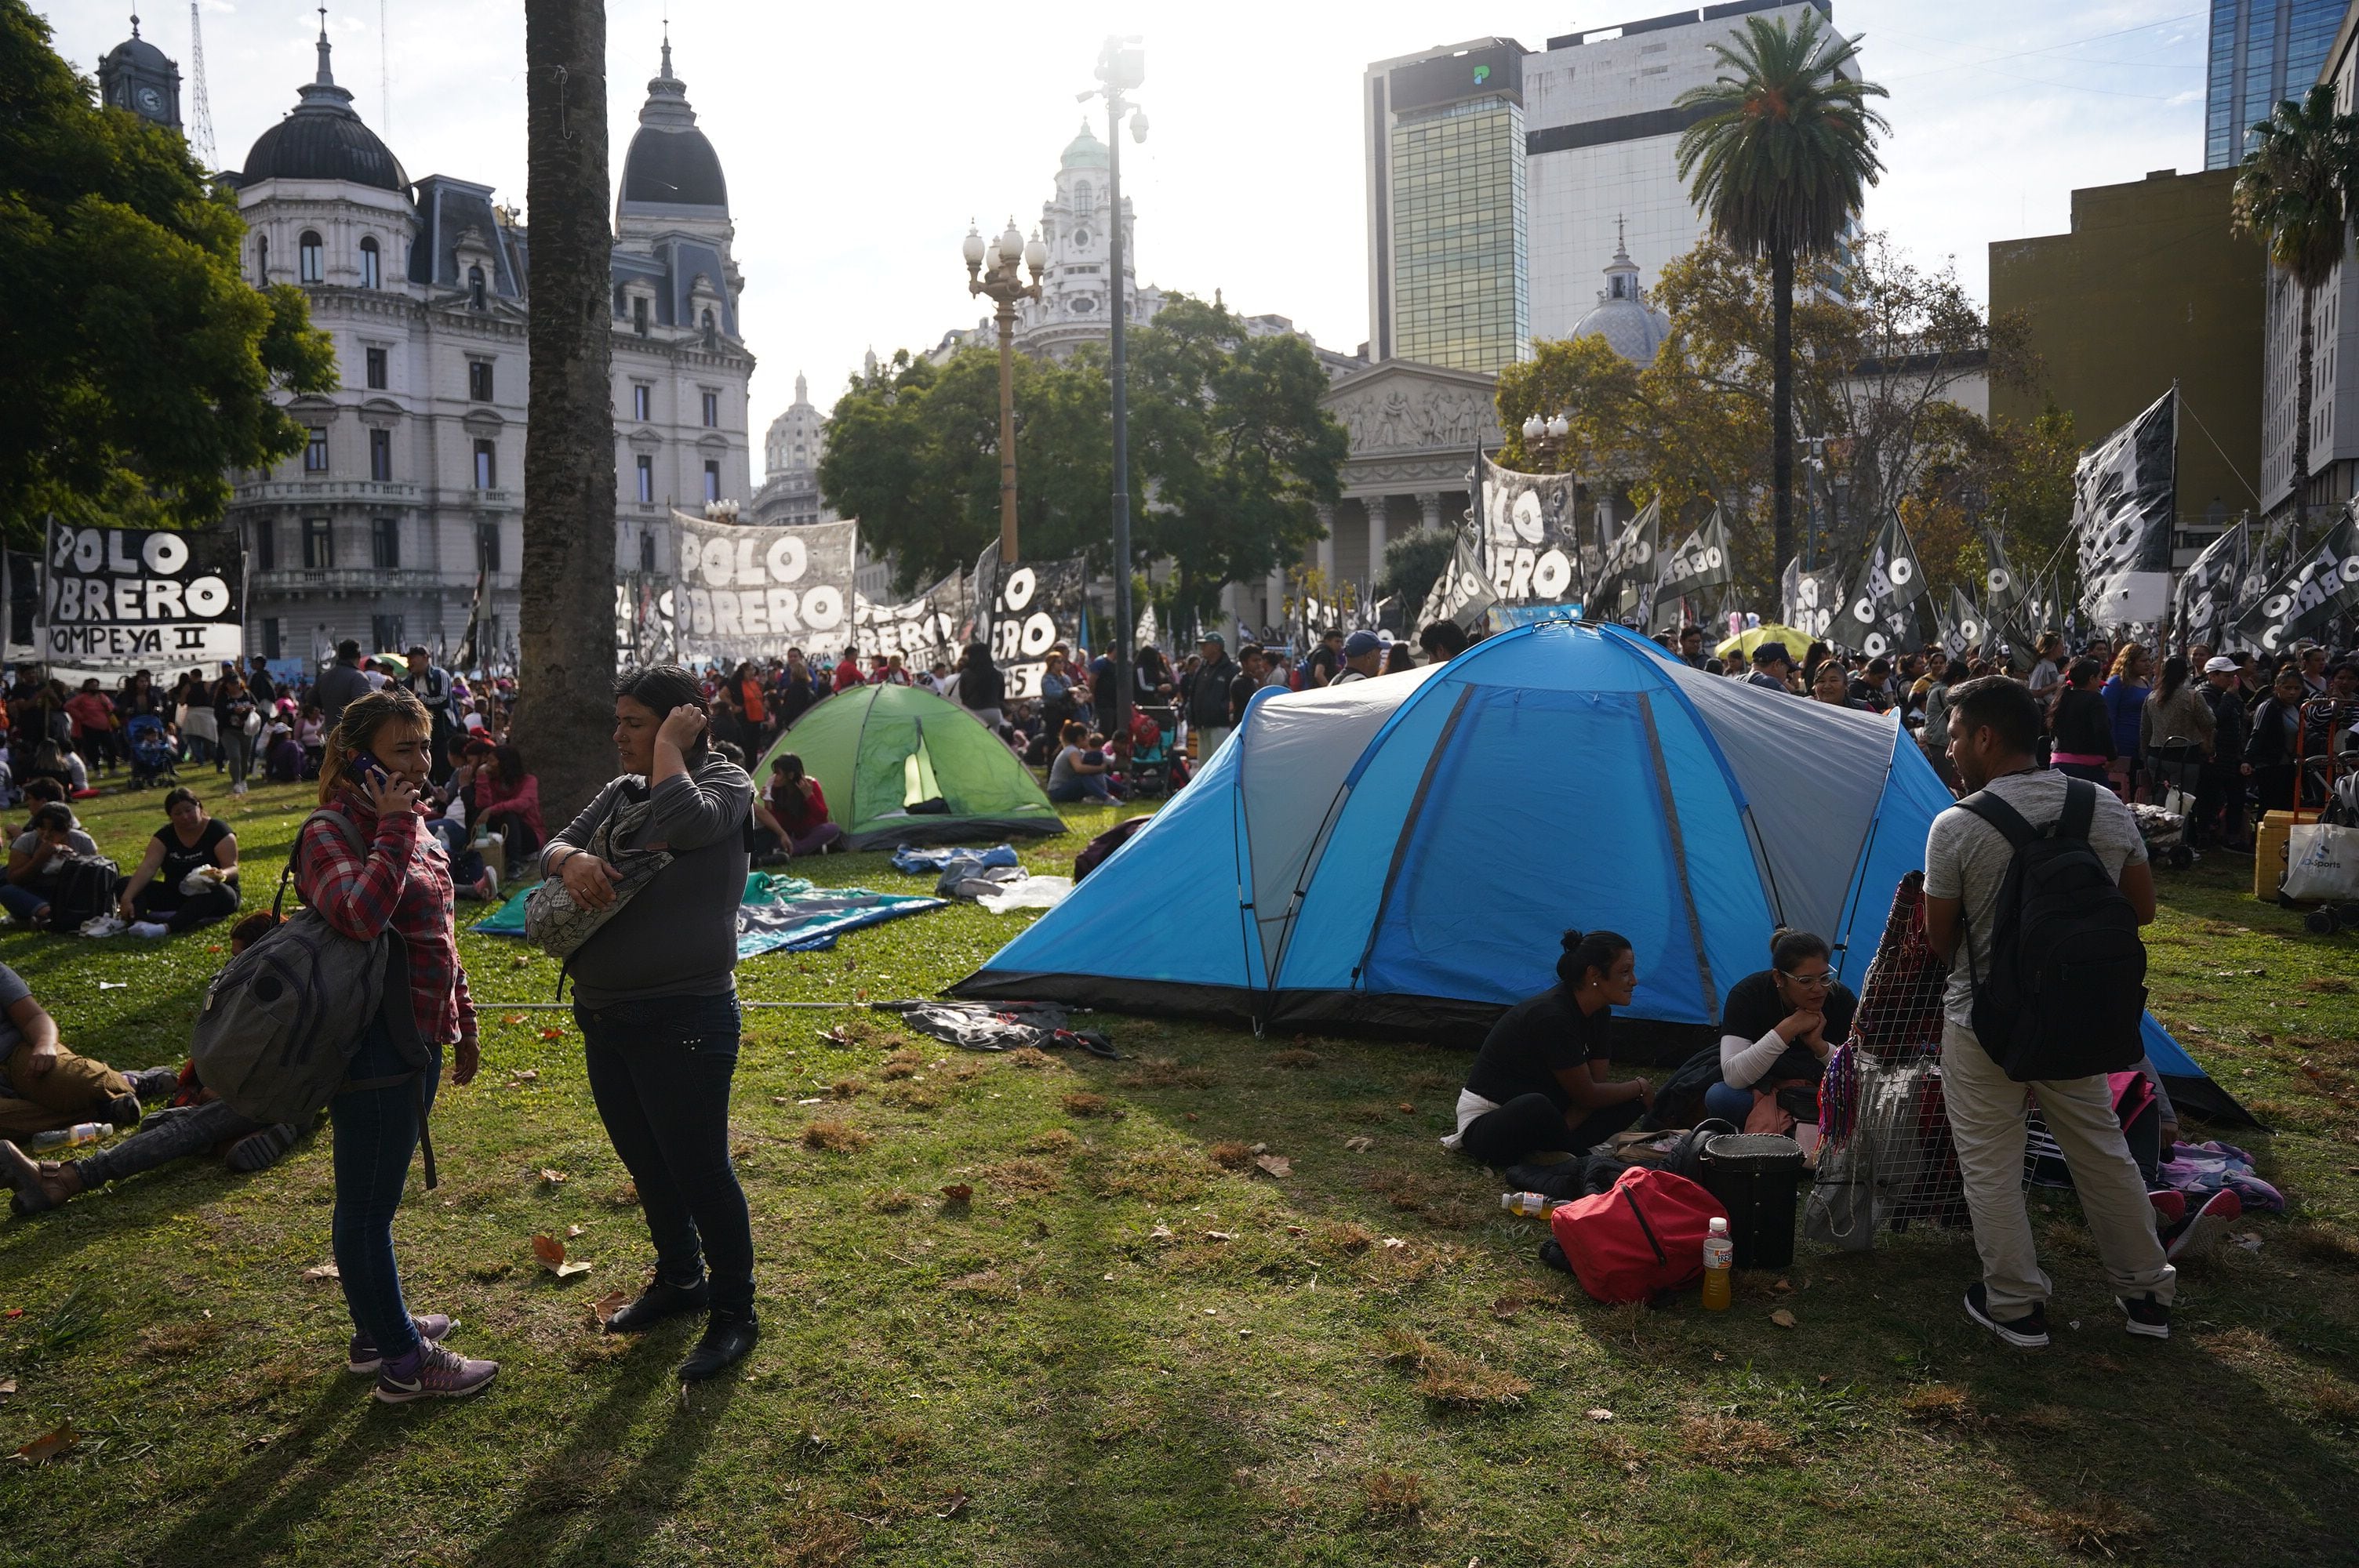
(774, 914)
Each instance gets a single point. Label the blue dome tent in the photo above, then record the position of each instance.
(1400, 854)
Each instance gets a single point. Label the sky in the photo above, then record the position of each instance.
(857, 148)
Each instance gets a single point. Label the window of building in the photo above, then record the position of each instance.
(376, 369)
(370, 277)
(319, 545)
(315, 451)
(707, 324)
(476, 300)
(622, 304)
(386, 630)
(381, 455)
(643, 403)
(712, 410)
(385, 550)
(646, 467)
(266, 546)
(639, 314)
(488, 473)
(261, 261)
(711, 480)
(311, 258)
(646, 552)
(479, 380)
(270, 637)
(487, 547)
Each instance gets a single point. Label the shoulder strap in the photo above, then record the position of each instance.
(344, 827)
(2080, 810)
(2001, 816)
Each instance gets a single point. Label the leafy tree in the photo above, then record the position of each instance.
(1780, 166)
(2296, 193)
(1230, 455)
(1413, 561)
(136, 363)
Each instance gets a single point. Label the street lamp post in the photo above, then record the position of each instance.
(1544, 438)
(1000, 282)
(1121, 67)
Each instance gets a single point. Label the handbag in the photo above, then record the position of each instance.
(1642, 1238)
(559, 924)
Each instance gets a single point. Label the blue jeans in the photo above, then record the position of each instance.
(659, 1071)
(1081, 787)
(376, 1134)
(1729, 1103)
(23, 902)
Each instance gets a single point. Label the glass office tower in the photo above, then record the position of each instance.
(2261, 51)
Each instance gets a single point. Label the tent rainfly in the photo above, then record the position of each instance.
(901, 766)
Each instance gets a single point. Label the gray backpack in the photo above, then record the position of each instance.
(275, 1036)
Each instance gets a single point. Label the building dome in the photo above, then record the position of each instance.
(322, 138)
(1630, 326)
(136, 53)
(1085, 150)
(670, 163)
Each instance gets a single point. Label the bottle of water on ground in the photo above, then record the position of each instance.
(72, 1136)
(1532, 1205)
(1718, 1265)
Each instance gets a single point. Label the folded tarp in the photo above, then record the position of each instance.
(774, 914)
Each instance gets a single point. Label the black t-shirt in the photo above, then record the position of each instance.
(179, 859)
(1754, 1009)
(1538, 1038)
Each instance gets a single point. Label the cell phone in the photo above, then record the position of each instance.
(362, 763)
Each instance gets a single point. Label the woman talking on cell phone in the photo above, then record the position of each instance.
(366, 861)
(655, 995)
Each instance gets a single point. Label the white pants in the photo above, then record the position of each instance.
(1986, 1120)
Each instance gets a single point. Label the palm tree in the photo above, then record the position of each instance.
(567, 644)
(2295, 194)
(1779, 166)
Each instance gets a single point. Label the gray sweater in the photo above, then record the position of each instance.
(677, 936)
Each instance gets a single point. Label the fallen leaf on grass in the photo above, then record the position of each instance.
(1220, 1235)
(525, 1076)
(554, 1177)
(1298, 1230)
(7, 1386)
(1406, 1108)
(323, 1272)
(50, 1445)
(1393, 1243)
(1360, 1145)
(551, 1253)
(1600, 1415)
(552, 1032)
(953, 1506)
(1161, 1232)
(512, 1018)
(1782, 1286)
(1784, 1319)
(956, 1193)
(571, 1231)
(607, 1305)
(1276, 1165)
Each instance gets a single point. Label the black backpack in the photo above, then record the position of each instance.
(84, 890)
(2066, 992)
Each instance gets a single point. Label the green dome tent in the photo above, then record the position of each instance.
(902, 766)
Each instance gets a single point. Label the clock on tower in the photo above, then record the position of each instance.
(137, 77)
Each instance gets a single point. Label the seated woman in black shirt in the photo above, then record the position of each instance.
(1538, 1083)
(1776, 1029)
(191, 849)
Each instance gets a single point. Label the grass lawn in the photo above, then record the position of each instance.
(1126, 1349)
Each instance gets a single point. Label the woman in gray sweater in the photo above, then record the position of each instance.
(655, 995)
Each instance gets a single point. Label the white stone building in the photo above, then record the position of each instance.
(791, 452)
(409, 493)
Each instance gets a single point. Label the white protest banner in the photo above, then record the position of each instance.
(749, 592)
(2323, 583)
(1879, 618)
(1459, 593)
(1531, 545)
(1035, 605)
(921, 630)
(127, 598)
(2124, 497)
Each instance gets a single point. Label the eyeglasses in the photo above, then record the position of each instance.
(1825, 978)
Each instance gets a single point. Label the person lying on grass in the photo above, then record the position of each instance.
(193, 1122)
(44, 1087)
(1538, 1085)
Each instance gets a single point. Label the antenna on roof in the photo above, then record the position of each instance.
(201, 111)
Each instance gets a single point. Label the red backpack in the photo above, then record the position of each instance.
(1643, 1238)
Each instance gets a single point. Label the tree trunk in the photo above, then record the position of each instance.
(2301, 427)
(1781, 405)
(566, 643)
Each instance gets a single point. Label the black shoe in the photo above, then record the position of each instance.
(659, 1302)
(727, 1336)
(2028, 1332)
(2149, 1318)
(260, 1151)
(124, 1110)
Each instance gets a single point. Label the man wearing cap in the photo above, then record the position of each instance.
(430, 683)
(342, 682)
(1771, 667)
(1364, 656)
(1208, 695)
(2220, 784)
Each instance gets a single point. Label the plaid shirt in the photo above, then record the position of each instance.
(405, 883)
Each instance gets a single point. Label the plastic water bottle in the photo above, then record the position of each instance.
(80, 1133)
(1718, 1265)
(1532, 1205)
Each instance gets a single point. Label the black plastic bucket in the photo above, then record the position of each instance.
(1757, 1177)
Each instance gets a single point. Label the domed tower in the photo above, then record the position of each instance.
(322, 139)
(136, 75)
(1631, 326)
(672, 210)
(1077, 225)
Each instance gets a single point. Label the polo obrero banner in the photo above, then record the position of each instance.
(2322, 584)
(129, 598)
(1880, 617)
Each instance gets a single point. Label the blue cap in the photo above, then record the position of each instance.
(1360, 643)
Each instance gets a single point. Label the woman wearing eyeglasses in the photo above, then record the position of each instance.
(1776, 1032)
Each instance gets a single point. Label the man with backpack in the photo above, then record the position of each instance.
(2034, 887)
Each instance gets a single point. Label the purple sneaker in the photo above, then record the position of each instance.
(364, 1357)
(431, 1372)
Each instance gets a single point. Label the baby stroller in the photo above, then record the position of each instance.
(152, 762)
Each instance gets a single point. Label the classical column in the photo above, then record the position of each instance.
(1376, 539)
(1326, 543)
(1429, 504)
(1273, 612)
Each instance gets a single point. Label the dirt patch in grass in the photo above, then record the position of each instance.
(1056, 1141)
(821, 1539)
(1341, 1238)
(909, 1095)
(1081, 1102)
(831, 1137)
(625, 1197)
(1939, 1404)
(1392, 1497)
(1166, 1073)
(1296, 1060)
(1033, 1059)
(2093, 1523)
(1158, 1175)
(1462, 1382)
(901, 1065)
(1231, 1155)
(848, 1088)
(984, 1285)
(892, 1203)
(2335, 1402)
(1022, 1177)
(2330, 985)
(1735, 1442)
(174, 1341)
